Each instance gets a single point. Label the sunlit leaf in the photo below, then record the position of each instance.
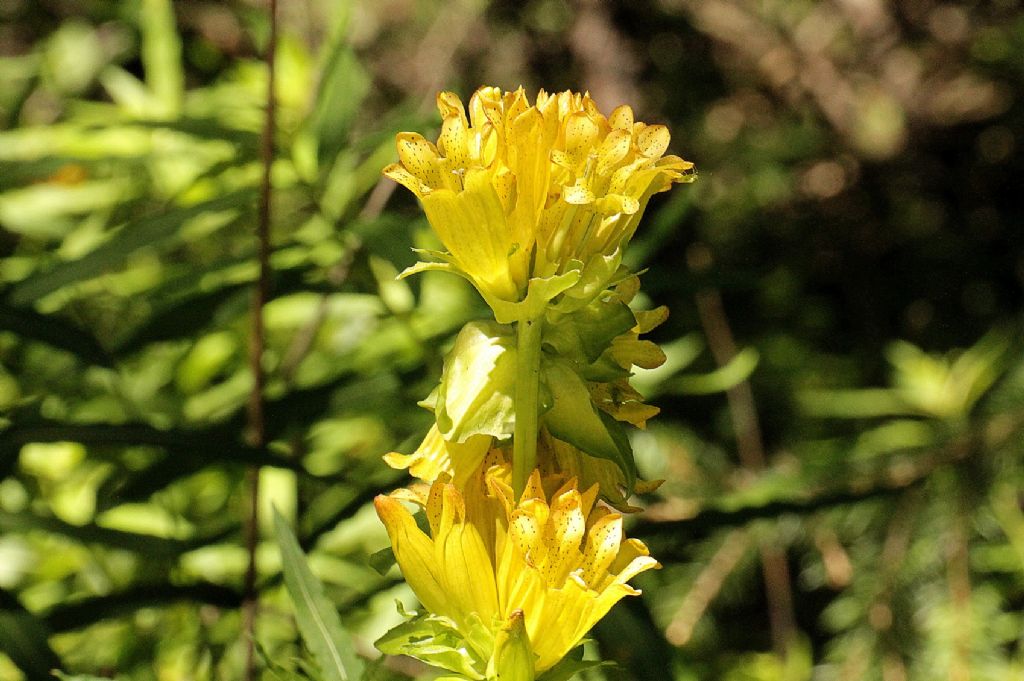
(143, 544)
(140, 233)
(382, 561)
(735, 372)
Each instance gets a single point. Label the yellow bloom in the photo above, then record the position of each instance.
(436, 456)
(517, 191)
(555, 555)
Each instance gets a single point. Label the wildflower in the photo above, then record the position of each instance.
(555, 557)
(532, 200)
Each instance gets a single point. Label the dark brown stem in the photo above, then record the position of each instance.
(750, 446)
(740, 397)
(256, 434)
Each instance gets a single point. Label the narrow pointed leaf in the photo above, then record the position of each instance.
(161, 54)
(735, 372)
(317, 618)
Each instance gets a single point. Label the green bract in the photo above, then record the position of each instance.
(437, 641)
(477, 387)
(574, 419)
(513, 658)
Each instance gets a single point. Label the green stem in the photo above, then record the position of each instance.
(524, 438)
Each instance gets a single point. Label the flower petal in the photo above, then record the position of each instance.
(652, 140)
(622, 119)
(414, 552)
(603, 541)
(419, 157)
(398, 173)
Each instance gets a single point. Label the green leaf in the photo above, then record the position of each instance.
(573, 418)
(77, 677)
(25, 171)
(273, 665)
(894, 435)
(513, 658)
(48, 211)
(569, 667)
(128, 486)
(853, 404)
(732, 513)
(192, 301)
(23, 638)
(594, 277)
(735, 372)
(343, 85)
(161, 55)
(245, 141)
(143, 232)
(394, 292)
(382, 561)
(183, 318)
(185, 452)
(317, 618)
(585, 334)
(436, 641)
(476, 394)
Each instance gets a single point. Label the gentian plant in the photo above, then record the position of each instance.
(527, 471)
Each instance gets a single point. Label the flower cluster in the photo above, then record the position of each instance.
(521, 193)
(554, 555)
(526, 473)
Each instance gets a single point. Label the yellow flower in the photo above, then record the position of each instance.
(555, 555)
(436, 456)
(518, 191)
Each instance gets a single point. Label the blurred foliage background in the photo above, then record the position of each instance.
(843, 406)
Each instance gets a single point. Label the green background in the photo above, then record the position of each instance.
(843, 405)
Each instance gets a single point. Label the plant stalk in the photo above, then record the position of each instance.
(256, 417)
(527, 402)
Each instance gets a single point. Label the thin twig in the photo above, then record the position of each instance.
(706, 587)
(750, 446)
(256, 434)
